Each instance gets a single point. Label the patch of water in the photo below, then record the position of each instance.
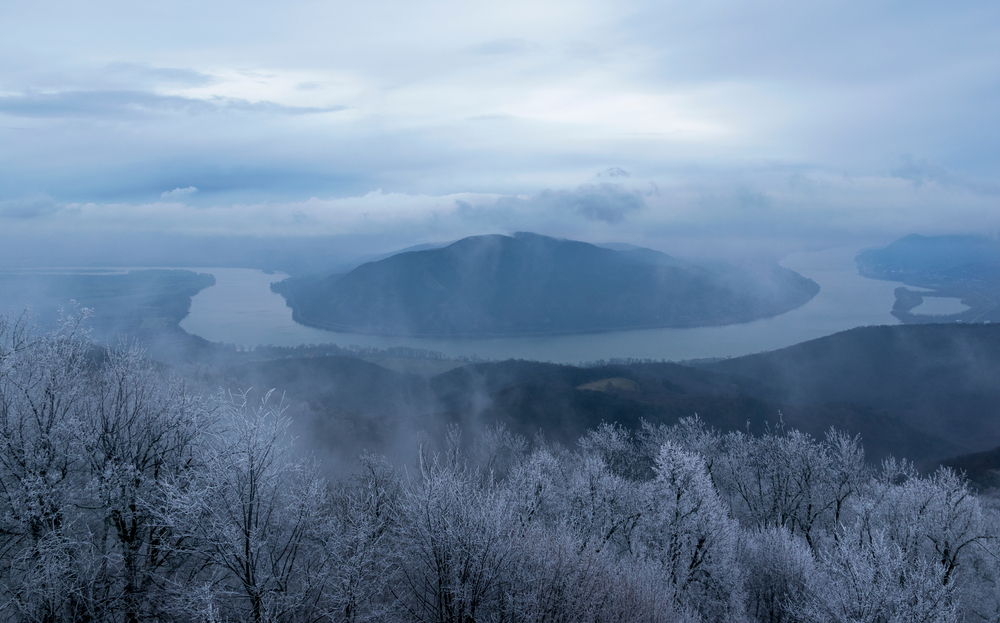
(940, 306)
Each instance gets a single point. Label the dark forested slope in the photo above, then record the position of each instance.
(940, 378)
(565, 401)
(347, 404)
(923, 392)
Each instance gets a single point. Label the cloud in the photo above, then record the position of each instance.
(177, 193)
(119, 104)
(711, 104)
(500, 47)
(753, 200)
(29, 208)
(711, 216)
(146, 74)
(609, 203)
(614, 172)
(920, 171)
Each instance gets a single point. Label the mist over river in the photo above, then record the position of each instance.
(241, 309)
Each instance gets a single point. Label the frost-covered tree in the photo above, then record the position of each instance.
(786, 479)
(937, 522)
(363, 544)
(866, 577)
(686, 529)
(778, 570)
(254, 516)
(87, 437)
(458, 547)
(138, 431)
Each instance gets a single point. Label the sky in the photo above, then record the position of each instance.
(693, 126)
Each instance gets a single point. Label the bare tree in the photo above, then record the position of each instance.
(780, 573)
(457, 545)
(688, 531)
(42, 386)
(139, 431)
(363, 544)
(255, 517)
(866, 577)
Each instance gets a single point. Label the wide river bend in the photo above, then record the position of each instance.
(241, 309)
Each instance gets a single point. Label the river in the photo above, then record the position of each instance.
(241, 309)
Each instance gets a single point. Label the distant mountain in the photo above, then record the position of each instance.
(963, 267)
(924, 257)
(530, 284)
(140, 303)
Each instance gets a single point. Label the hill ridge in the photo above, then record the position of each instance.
(529, 284)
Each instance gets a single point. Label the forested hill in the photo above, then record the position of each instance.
(923, 392)
(963, 267)
(940, 378)
(918, 258)
(565, 401)
(532, 284)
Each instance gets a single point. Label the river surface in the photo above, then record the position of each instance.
(241, 309)
(940, 306)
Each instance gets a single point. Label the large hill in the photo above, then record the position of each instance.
(939, 378)
(923, 392)
(530, 284)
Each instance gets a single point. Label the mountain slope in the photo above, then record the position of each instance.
(562, 403)
(531, 284)
(939, 378)
(343, 405)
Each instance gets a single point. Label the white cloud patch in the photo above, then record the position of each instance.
(137, 105)
(179, 193)
(501, 47)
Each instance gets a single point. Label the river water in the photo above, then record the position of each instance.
(241, 309)
(940, 306)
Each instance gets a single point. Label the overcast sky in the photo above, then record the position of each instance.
(407, 122)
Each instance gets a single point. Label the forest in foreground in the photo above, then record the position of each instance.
(127, 496)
